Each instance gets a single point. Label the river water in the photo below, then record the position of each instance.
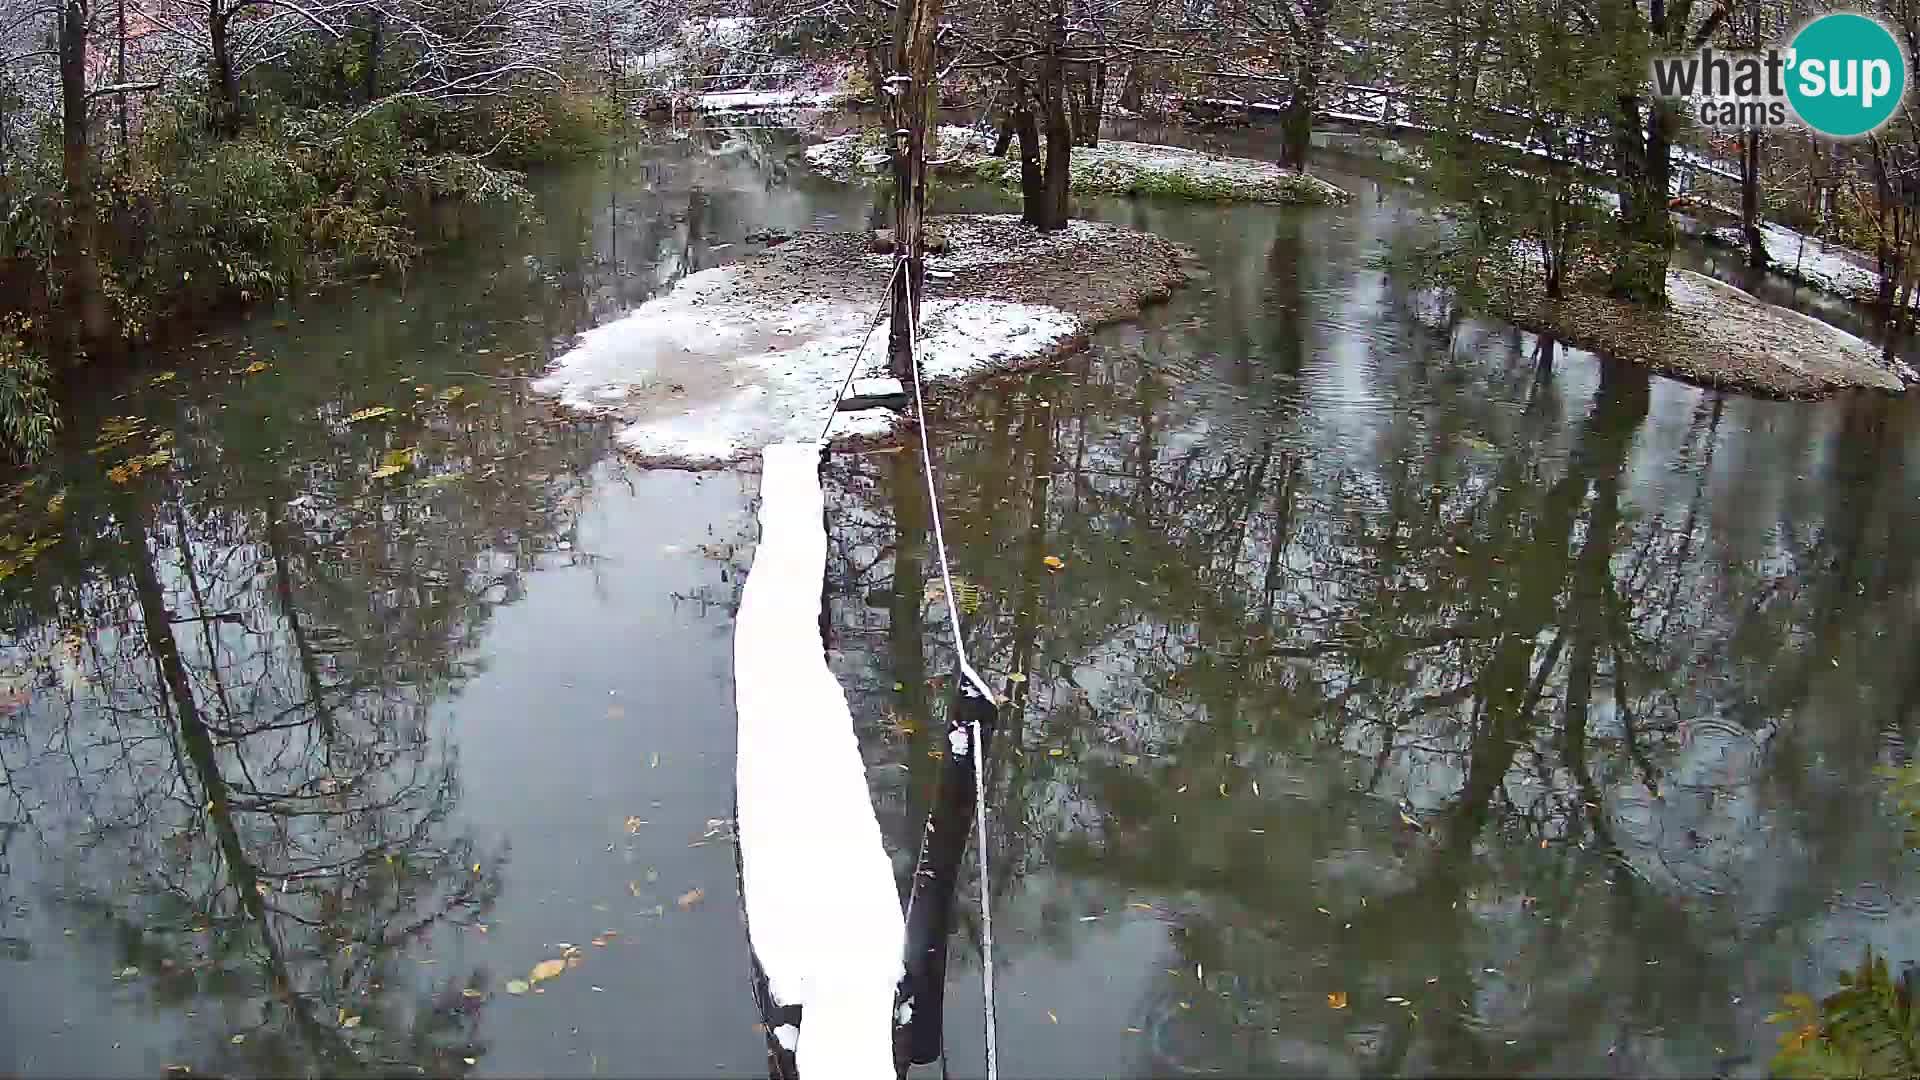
(1415, 696)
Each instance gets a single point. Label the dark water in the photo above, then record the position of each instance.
(301, 766)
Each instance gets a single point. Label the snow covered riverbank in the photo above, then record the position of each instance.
(740, 356)
(1112, 168)
(1712, 335)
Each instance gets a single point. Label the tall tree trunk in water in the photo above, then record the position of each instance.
(1099, 102)
(1053, 105)
(914, 29)
(80, 268)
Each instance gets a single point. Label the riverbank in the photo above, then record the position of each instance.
(754, 352)
(1111, 168)
(1712, 335)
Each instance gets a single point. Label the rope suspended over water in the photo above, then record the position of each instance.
(975, 737)
(974, 741)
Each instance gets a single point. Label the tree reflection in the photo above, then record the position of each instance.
(1464, 709)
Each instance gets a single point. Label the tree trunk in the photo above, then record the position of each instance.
(1642, 161)
(1004, 140)
(1053, 209)
(1133, 89)
(914, 32)
(226, 86)
(1296, 125)
(1032, 180)
(120, 71)
(370, 60)
(78, 253)
(1750, 199)
(1099, 102)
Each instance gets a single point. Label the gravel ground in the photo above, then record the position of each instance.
(1713, 335)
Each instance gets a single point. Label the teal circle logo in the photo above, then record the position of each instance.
(1846, 74)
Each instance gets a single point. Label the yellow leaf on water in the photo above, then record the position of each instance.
(546, 969)
(166, 377)
(255, 368)
(691, 898)
(385, 471)
(372, 412)
(451, 393)
(1052, 1017)
(1053, 562)
(517, 986)
(1056, 752)
(1016, 678)
(470, 992)
(350, 1022)
(237, 1039)
(1337, 999)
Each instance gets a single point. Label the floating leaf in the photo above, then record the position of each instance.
(254, 368)
(517, 986)
(451, 393)
(470, 992)
(372, 412)
(1053, 562)
(160, 379)
(1016, 678)
(1337, 999)
(350, 1022)
(546, 969)
(1056, 752)
(691, 898)
(237, 1039)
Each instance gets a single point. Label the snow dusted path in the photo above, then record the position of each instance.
(822, 913)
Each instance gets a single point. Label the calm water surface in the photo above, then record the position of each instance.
(300, 765)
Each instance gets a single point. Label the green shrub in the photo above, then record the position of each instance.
(27, 416)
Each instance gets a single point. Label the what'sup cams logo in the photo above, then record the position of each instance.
(1842, 75)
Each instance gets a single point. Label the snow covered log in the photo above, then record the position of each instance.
(823, 917)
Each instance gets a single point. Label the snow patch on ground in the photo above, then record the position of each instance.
(1113, 167)
(1805, 258)
(739, 100)
(822, 912)
(710, 373)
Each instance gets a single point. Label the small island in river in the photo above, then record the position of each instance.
(756, 351)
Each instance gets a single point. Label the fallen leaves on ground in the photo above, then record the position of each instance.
(395, 462)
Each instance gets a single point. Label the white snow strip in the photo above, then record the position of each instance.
(876, 387)
(822, 914)
(767, 99)
(712, 372)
